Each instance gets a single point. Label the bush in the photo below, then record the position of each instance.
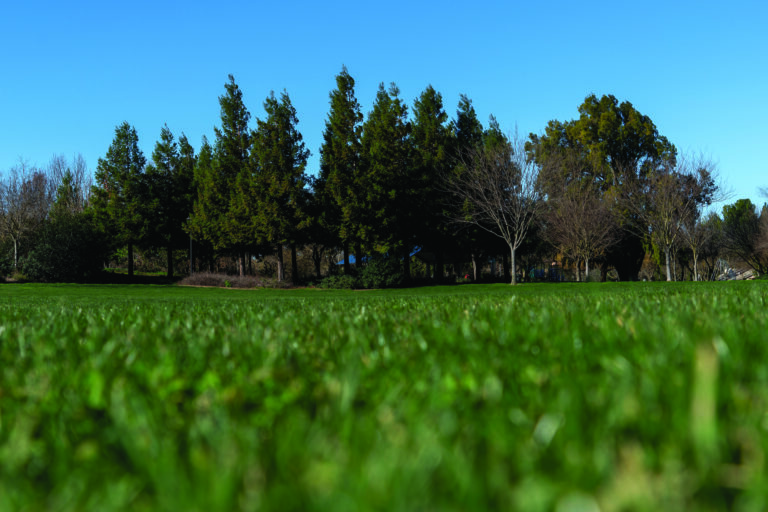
(380, 273)
(229, 281)
(339, 282)
(70, 248)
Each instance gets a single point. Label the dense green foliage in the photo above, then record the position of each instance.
(605, 190)
(118, 197)
(337, 188)
(542, 397)
(71, 247)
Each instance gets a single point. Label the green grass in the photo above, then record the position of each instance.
(636, 396)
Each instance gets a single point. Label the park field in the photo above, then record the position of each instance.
(563, 397)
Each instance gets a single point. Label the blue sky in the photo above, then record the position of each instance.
(72, 71)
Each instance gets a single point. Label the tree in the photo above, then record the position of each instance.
(118, 194)
(336, 186)
(25, 200)
(579, 222)
(499, 191)
(216, 174)
(387, 181)
(741, 234)
(467, 129)
(79, 182)
(467, 136)
(432, 142)
(169, 188)
(70, 247)
(668, 199)
(277, 166)
(621, 147)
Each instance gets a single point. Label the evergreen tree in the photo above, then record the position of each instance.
(467, 136)
(432, 143)
(277, 165)
(206, 200)
(467, 129)
(388, 181)
(216, 177)
(118, 193)
(335, 190)
(169, 186)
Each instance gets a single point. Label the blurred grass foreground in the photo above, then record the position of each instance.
(573, 397)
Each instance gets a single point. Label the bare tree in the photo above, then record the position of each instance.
(497, 189)
(77, 175)
(580, 223)
(25, 199)
(579, 220)
(696, 231)
(74, 181)
(669, 198)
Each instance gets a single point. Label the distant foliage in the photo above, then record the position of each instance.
(229, 281)
(380, 273)
(69, 248)
(377, 273)
(341, 282)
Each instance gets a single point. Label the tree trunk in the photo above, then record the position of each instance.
(513, 269)
(669, 271)
(586, 270)
(280, 269)
(15, 254)
(294, 266)
(169, 260)
(578, 270)
(241, 263)
(695, 266)
(474, 267)
(130, 260)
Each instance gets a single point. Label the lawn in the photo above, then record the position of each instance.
(568, 397)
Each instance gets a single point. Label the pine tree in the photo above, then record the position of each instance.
(216, 176)
(387, 180)
(432, 143)
(118, 194)
(277, 165)
(468, 136)
(335, 188)
(169, 186)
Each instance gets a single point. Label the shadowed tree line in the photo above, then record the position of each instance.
(604, 190)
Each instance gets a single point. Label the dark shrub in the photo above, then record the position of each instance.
(70, 248)
(380, 273)
(229, 281)
(339, 282)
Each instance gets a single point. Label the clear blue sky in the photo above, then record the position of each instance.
(72, 71)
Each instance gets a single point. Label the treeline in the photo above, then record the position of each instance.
(605, 191)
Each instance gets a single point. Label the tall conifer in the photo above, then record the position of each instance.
(335, 187)
(117, 194)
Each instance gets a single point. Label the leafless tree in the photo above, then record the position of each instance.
(579, 220)
(76, 178)
(497, 190)
(580, 224)
(25, 200)
(669, 198)
(697, 232)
